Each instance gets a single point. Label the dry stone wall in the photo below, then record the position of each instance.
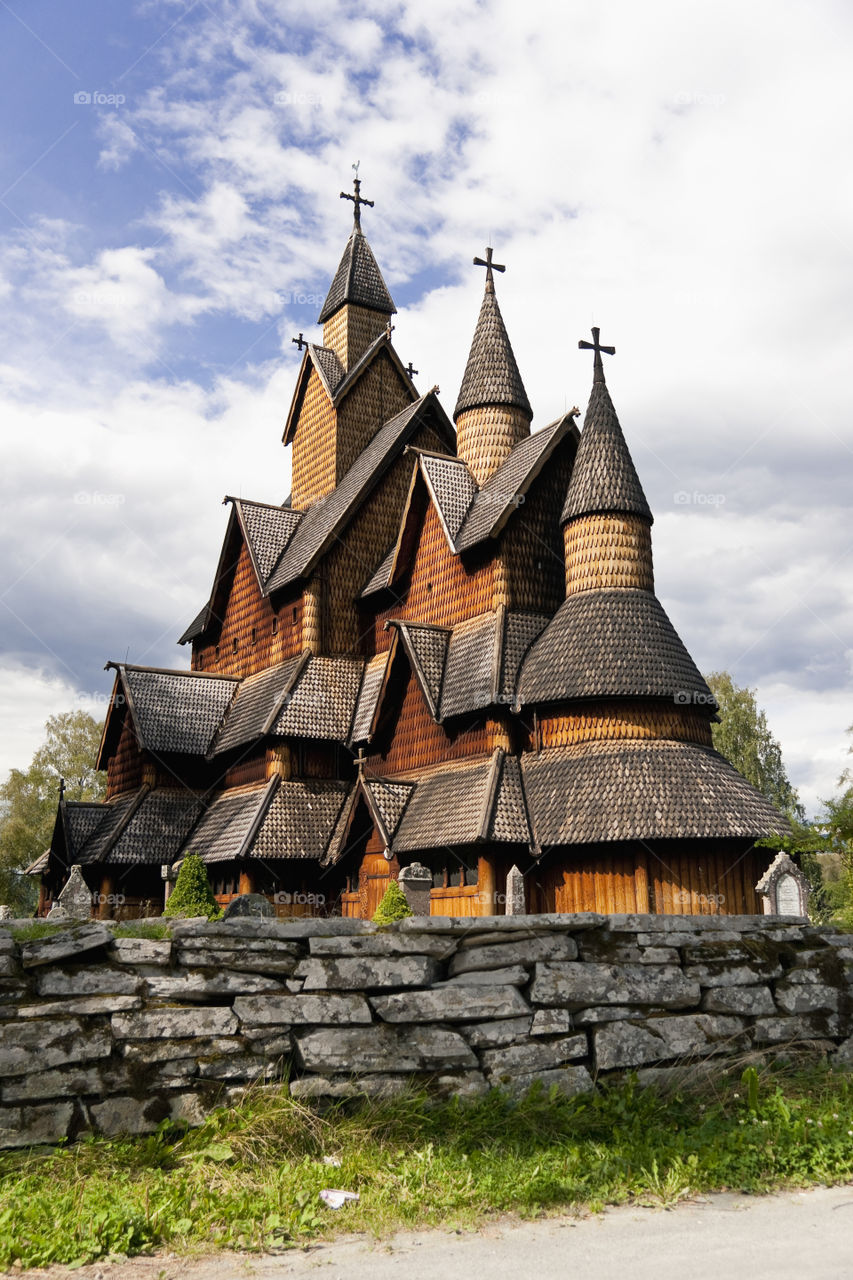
(109, 1033)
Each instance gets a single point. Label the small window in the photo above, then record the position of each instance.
(234, 645)
(275, 626)
(200, 662)
(295, 615)
(253, 635)
(216, 653)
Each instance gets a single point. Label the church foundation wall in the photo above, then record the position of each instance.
(110, 1033)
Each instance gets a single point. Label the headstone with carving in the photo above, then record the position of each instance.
(515, 904)
(5, 913)
(416, 882)
(76, 896)
(783, 888)
(248, 904)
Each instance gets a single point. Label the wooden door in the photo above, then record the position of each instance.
(373, 879)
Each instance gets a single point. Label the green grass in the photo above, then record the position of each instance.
(38, 929)
(250, 1177)
(144, 929)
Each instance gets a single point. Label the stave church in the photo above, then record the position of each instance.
(442, 654)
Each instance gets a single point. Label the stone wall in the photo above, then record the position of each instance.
(111, 1033)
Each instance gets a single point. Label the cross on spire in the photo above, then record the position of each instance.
(411, 370)
(490, 267)
(357, 199)
(359, 760)
(300, 342)
(595, 345)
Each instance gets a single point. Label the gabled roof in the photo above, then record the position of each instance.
(385, 800)
(198, 625)
(300, 820)
(604, 477)
(267, 530)
(259, 699)
(329, 368)
(357, 280)
(465, 803)
(452, 488)
(170, 711)
(364, 717)
(505, 491)
(381, 576)
(230, 822)
(491, 374)
(642, 790)
(321, 701)
(117, 814)
(613, 643)
(325, 521)
(156, 829)
(426, 649)
(473, 664)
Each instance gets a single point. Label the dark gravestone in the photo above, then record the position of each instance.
(248, 904)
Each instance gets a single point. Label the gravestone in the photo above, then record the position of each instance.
(783, 888)
(75, 899)
(248, 904)
(416, 882)
(515, 904)
(5, 913)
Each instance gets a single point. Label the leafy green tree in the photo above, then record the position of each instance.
(394, 905)
(744, 738)
(29, 796)
(192, 895)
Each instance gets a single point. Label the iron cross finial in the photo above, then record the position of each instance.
(61, 789)
(359, 760)
(490, 266)
(300, 342)
(357, 199)
(595, 345)
(411, 370)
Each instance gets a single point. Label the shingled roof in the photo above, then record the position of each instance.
(642, 790)
(325, 521)
(357, 280)
(321, 702)
(258, 701)
(368, 697)
(176, 711)
(604, 477)
(491, 374)
(465, 803)
(267, 530)
(230, 823)
(614, 643)
(300, 820)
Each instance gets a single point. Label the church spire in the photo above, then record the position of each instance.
(606, 516)
(492, 412)
(358, 303)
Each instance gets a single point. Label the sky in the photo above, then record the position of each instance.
(676, 172)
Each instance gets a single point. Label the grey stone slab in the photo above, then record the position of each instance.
(576, 985)
(781, 1030)
(807, 998)
(129, 1115)
(245, 1066)
(550, 1022)
(94, 1005)
(731, 975)
(141, 950)
(251, 905)
(9, 966)
(62, 946)
(198, 984)
(753, 1002)
(69, 1082)
(612, 1013)
(385, 944)
(273, 947)
(844, 1053)
(451, 1003)
(473, 925)
(513, 976)
(308, 1088)
(35, 1126)
(523, 1059)
(34, 1044)
(463, 1084)
(152, 1024)
(383, 1048)
(283, 930)
(367, 973)
(170, 1048)
(569, 1080)
(626, 1044)
(491, 1035)
(90, 980)
(284, 1010)
(499, 955)
(235, 959)
(269, 1045)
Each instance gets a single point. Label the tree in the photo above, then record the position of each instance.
(192, 895)
(744, 738)
(28, 798)
(394, 905)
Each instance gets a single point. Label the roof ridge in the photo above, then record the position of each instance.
(358, 280)
(604, 477)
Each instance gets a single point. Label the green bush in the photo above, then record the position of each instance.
(393, 906)
(192, 894)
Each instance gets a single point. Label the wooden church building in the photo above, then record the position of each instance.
(443, 648)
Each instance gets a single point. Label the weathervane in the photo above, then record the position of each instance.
(357, 199)
(595, 345)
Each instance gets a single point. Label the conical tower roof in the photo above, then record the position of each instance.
(604, 477)
(491, 374)
(357, 280)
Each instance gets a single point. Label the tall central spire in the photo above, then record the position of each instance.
(493, 412)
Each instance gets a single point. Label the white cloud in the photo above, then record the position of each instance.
(29, 696)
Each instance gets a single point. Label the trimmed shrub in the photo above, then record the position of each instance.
(192, 894)
(394, 906)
